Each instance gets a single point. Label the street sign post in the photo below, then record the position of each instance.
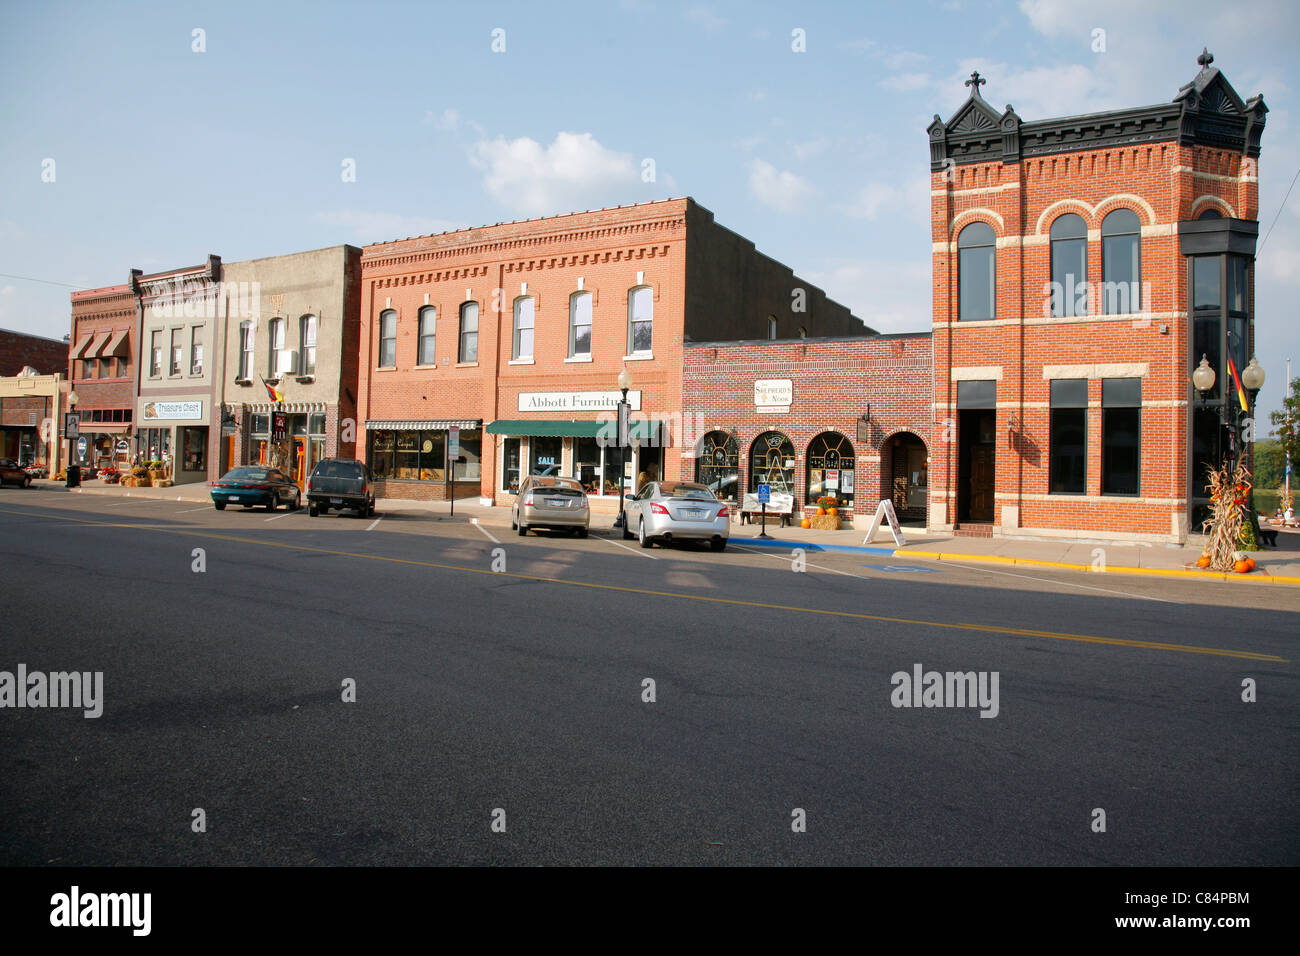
(764, 496)
(453, 452)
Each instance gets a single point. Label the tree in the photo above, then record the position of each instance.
(1286, 425)
(1270, 464)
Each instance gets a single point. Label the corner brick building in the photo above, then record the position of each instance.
(1082, 267)
(516, 334)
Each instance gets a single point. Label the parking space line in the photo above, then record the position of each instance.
(491, 536)
(638, 551)
(371, 526)
(192, 510)
(285, 515)
(786, 558)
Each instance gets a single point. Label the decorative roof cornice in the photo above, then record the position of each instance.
(1206, 112)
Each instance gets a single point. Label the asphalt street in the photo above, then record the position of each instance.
(499, 673)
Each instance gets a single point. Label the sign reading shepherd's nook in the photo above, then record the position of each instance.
(575, 401)
(773, 395)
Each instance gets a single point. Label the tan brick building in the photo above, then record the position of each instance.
(516, 334)
(1082, 266)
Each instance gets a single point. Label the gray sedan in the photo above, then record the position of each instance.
(667, 511)
(547, 502)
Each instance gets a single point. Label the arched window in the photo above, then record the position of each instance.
(830, 468)
(803, 332)
(468, 332)
(428, 336)
(1121, 262)
(771, 327)
(388, 339)
(1209, 212)
(580, 324)
(524, 319)
(1069, 237)
(718, 465)
(640, 320)
(977, 272)
(771, 462)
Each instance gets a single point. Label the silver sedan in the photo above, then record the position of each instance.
(548, 502)
(668, 511)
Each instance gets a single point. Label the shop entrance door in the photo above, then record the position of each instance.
(300, 462)
(976, 463)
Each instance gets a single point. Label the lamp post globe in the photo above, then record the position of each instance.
(1253, 376)
(1203, 377)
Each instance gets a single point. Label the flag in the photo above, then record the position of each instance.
(1241, 393)
(277, 396)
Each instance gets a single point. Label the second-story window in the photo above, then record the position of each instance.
(196, 350)
(1069, 240)
(580, 324)
(640, 320)
(155, 353)
(525, 314)
(1121, 262)
(468, 332)
(245, 350)
(771, 328)
(428, 336)
(388, 339)
(308, 332)
(977, 272)
(175, 368)
(277, 346)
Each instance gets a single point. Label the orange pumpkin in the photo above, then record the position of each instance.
(1240, 567)
(1203, 561)
(832, 511)
(821, 511)
(806, 523)
(1250, 564)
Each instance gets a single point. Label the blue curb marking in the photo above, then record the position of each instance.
(809, 546)
(902, 568)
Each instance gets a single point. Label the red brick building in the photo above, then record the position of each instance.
(848, 417)
(102, 369)
(1082, 267)
(516, 334)
(27, 402)
(19, 350)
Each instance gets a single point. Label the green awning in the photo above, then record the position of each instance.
(640, 430)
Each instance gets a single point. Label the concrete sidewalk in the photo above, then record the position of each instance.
(1280, 565)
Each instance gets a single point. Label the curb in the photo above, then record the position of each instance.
(1263, 578)
(811, 546)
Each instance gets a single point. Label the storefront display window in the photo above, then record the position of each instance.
(830, 468)
(510, 465)
(771, 462)
(718, 464)
(409, 455)
(586, 464)
(545, 455)
(194, 447)
(471, 449)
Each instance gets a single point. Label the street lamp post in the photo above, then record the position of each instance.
(73, 478)
(624, 412)
(1253, 380)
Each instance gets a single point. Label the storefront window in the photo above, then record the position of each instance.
(586, 464)
(316, 424)
(771, 462)
(718, 464)
(471, 449)
(510, 465)
(830, 468)
(409, 455)
(546, 454)
(194, 443)
(381, 454)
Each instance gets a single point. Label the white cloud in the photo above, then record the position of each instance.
(8, 289)
(373, 226)
(908, 200)
(706, 17)
(750, 142)
(448, 120)
(810, 148)
(575, 172)
(906, 82)
(780, 189)
(758, 95)
(903, 59)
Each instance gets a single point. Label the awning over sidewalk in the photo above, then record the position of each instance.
(429, 425)
(639, 430)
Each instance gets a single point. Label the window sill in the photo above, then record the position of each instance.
(386, 368)
(520, 361)
(639, 357)
(243, 381)
(273, 381)
(579, 358)
(306, 379)
(466, 365)
(424, 366)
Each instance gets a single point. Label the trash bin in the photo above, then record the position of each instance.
(74, 476)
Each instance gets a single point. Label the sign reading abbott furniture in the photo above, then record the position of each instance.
(773, 395)
(170, 410)
(575, 401)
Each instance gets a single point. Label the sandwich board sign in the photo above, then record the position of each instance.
(885, 511)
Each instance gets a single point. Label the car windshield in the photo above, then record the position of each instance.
(247, 474)
(677, 489)
(338, 469)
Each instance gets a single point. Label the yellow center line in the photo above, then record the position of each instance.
(733, 602)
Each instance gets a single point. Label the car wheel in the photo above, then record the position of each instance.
(371, 512)
(271, 505)
(27, 482)
(719, 544)
(324, 509)
(582, 532)
(627, 535)
(297, 501)
(514, 525)
(311, 509)
(645, 541)
(219, 505)
(523, 529)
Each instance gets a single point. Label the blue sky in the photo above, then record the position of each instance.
(163, 154)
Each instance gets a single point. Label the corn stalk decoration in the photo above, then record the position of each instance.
(1229, 494)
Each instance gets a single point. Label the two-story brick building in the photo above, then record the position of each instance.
(1082, 267)
(102, 371)
(516, 334)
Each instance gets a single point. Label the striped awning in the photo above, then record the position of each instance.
(81, 345)
(293, 408)
(101, 339)
(432, 424)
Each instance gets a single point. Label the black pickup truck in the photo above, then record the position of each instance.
(340, 483)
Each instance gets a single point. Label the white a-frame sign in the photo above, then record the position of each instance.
(885, 510)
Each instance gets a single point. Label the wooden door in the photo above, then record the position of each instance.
(981, 483)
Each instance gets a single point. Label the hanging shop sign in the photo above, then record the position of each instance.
(166, 411)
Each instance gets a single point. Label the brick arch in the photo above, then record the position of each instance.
(1060, 208)
(981, 214)
(1093, 215)
(1125, 201)
(888, 477)
(1199, 204)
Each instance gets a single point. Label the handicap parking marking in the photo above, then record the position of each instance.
(902, 568)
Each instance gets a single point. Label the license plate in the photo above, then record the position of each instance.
(694, 513)
(336, 501)
(557, 502)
